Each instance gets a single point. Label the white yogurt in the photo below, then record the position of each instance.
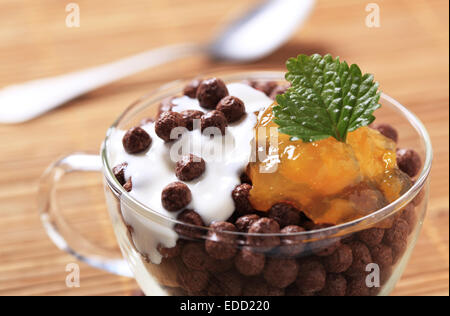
(211, 193)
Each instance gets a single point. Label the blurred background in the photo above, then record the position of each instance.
(408, 53)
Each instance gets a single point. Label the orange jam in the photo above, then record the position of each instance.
(330, 181)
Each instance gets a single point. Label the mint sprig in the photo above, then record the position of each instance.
(327, 98)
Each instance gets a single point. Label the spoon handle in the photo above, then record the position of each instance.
(26, 101)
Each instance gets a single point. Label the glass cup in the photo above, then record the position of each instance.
(363, 257)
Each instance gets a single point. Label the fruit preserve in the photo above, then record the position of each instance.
(330, 181)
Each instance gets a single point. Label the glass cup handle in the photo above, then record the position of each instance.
(62, 233)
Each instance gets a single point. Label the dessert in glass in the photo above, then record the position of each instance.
(238, 184)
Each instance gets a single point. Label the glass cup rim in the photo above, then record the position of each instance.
(349, 227)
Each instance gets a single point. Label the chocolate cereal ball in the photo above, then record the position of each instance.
(386, 130)
(399, 231)
(233, 108)
(348, 238)
(285, 214)
(210, 92)
(243, 223)
(396, 238)
(419, 197)
(193, 281)
(214, 119)
(225, 284)
(169, 253)
(398, 249)
(371, 237)
(280, 273)
(264, 226)
(409, 161)
(340, 260)
(326, 247)
(357, 287)
(310, 226)
(280, 89)
(166, 123)
(194, 256)
(274, 291)
(128, 186)
(191, 88)
(258, 287)
(220, 243)
(361, 258)
(190, 167)
(382, 255)
(336, 285)
(176, 196)
(311, 277)
(240, 197)
(409, 215)
(245, 178)
(136, 140)
(189, 116)
(293, 290)
(292, 246)
(255, 287)
(385, 274)
(189, 217)
(218, 266)
(249, 263)
(119, 173)
(264, 86)
(365, 197)
(325, 244)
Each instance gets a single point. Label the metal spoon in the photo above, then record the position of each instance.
(253, 36)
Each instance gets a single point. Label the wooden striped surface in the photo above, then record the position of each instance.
(408, 53)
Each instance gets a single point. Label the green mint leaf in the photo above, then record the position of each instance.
(328, 98)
